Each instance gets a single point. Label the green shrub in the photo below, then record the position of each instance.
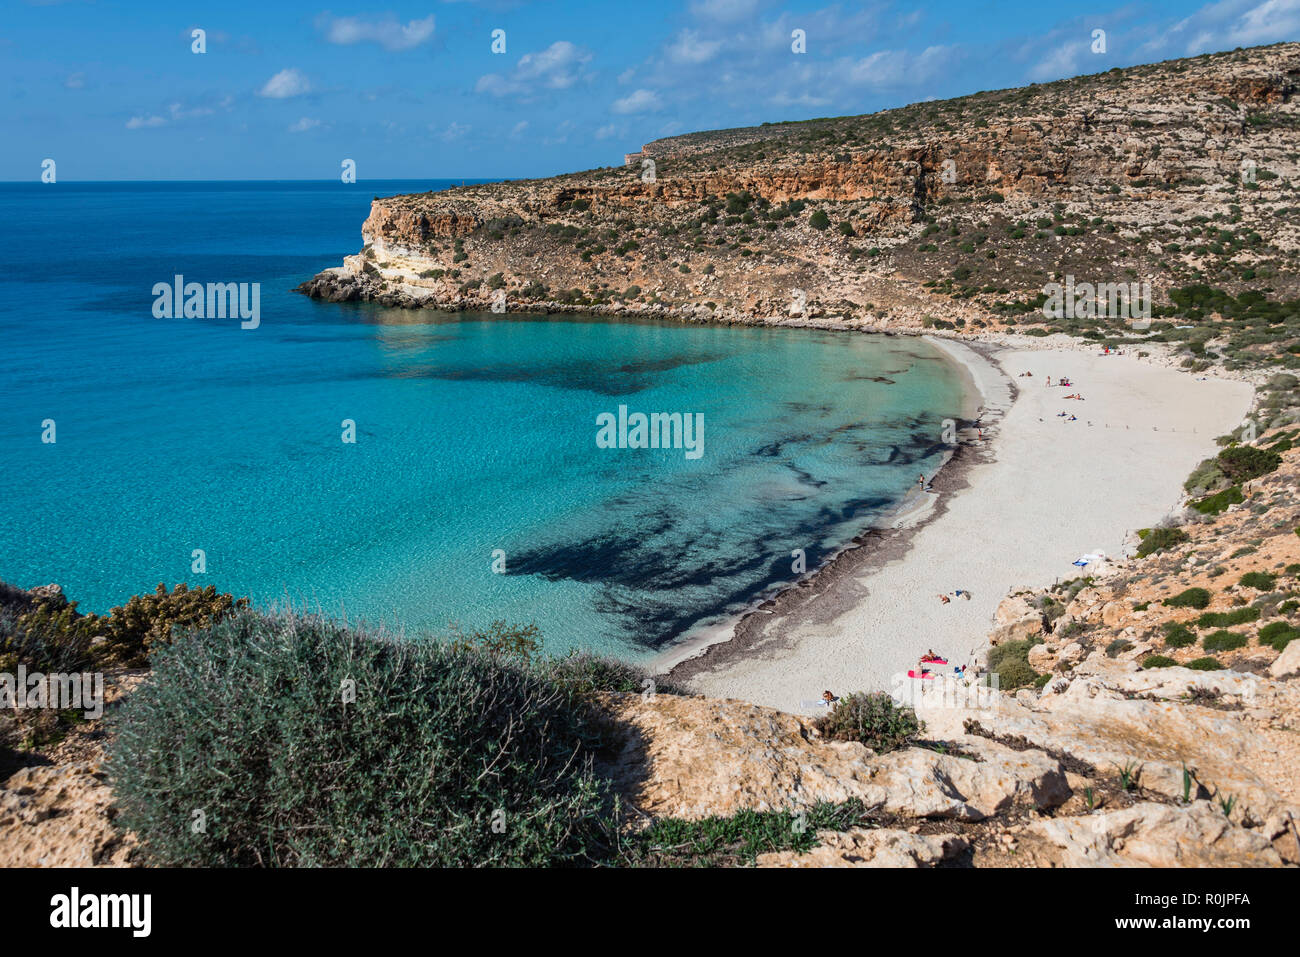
(739, 838)
(1204, 664)
(873, 719)
(1158, 661)
(1226, 619)
(585, 673)
(1191, 598)
(1015, 673)
(1261, 581)
(1159, 539)
(1118, 647)
(49, 633)
(44, 633)
(1207, 475)
(1010, 662)
(1179, 636)
(136, 629)
(1278, 634)
(1223, 641)
(819, 220)
(1241, 463)
(246, 720)
(1218, 502)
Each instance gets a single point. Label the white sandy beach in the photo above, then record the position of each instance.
(1054, 491)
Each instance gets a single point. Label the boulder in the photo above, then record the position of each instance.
(1145, 835)
(1043, 658)
(1287, 663)
(1072, 653)
(1100, 720)
(697, 757)
(59, 816)
(1016, 620)
(1113, 612)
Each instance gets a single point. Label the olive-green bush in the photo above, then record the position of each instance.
(303, 741)
(1191, 598)
(875, 720)
(1223, 641)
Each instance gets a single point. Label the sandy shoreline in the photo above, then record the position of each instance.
(1037, 493)
(984, 383)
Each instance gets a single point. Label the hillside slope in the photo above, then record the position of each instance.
(950, 214)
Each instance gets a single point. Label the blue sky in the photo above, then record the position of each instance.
(286, 90)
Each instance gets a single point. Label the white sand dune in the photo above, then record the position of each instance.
(1055, 490)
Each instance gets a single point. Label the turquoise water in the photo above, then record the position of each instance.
(473, 433)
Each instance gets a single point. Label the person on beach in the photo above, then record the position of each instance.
(1049, 380)
(945, 599)
(829, 699)
(920, 481)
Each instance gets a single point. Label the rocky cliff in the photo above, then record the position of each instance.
(946, 214)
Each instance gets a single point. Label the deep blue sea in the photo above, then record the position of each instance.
(474, 433)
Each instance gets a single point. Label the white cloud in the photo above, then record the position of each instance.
(519, 128)
(639, 101)
(303, 125)
(180, 112)
(689, 47)
(1228, 24)
(76, 81)
(177, 111)
(1064, 60)
(888, 69)
(286, 83)
(606, 132)
(454, 131)
(388, 33)
(558, 67)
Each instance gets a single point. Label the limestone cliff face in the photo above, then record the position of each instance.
(933, 214)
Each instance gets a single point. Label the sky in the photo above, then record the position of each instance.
(288, 90)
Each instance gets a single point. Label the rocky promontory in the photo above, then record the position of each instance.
(942, 215)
